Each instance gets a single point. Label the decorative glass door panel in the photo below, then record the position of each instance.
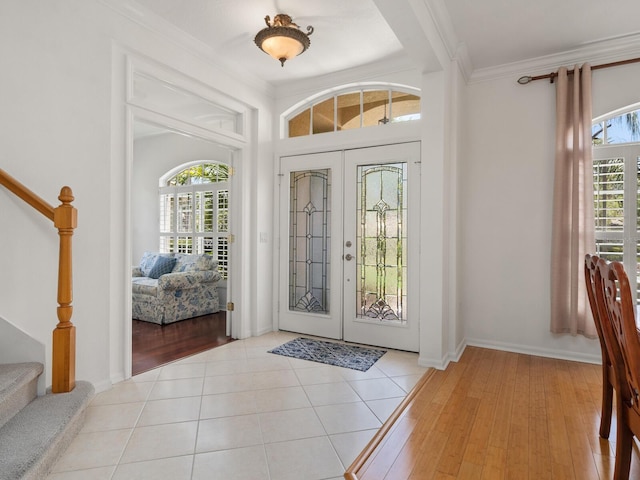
(381, 254)
(381, 244)
(311, 235)
(310, 221)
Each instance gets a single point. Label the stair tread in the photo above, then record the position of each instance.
(14, 375)
(29, 435)
(18, 387)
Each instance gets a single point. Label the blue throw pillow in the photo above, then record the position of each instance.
(147, 261)
(161, 266)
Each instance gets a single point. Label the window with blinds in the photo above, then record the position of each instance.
(194, 212)
(616, 197)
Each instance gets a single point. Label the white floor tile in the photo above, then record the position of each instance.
(226, 354)
(184, 387)
(377, 388)
(237, 403)
(226, 367)
(174, 468)
(247, 463)
(311, 459)
(267, 363)
(111, 417)
(227, 383)
(290, 425)
(95, 449)
(125, 392)
(331, 393)
(384, 407)
(351, 374)
(228, 404)
(277, 399)
(170, 410)
(102, 473)
(186, 370)
(350, 444)
(228, 432)
(347, 417)
(276, 379)
(312, 376)
(161, 441)
(395, 363)
(407, 382)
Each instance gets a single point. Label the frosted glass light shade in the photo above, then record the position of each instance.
(282, 47)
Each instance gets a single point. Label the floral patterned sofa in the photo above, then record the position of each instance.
(168, 287)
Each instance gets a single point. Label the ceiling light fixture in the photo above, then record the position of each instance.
(283, 39)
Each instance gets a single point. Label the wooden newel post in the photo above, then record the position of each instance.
(65, 218)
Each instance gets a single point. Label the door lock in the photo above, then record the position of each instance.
(348, 256)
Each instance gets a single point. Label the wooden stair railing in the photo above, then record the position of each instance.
(64, 218)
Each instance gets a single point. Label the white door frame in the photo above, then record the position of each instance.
(239, 154)
(283, 251)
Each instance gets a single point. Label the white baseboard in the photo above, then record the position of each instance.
(105, 385)
(263, 331)
(536, 351)
(442, 363)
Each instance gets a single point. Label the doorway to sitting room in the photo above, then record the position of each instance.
(180, 207)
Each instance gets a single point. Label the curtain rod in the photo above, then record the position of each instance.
(551, 76)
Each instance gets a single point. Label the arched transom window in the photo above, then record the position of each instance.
(354, 108)
(194, 212)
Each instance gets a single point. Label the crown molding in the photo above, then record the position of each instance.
(152, 22)
(455, 49)
(442, 21)
(464, 61)
(600, 52)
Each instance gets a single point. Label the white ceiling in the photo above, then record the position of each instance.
(351, 33)
(498, 32)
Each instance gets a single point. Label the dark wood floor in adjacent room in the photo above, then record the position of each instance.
(154, 345)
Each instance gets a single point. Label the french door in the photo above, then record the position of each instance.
(349, 252)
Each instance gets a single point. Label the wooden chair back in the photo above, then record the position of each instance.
(623, 344)
(590, 270)
(608, 377)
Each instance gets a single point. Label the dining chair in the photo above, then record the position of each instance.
(623, 344)
(608, 377)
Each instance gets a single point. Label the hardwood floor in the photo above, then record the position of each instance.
(498, 415)
(155, 345)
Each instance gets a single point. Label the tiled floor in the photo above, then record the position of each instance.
(237, 412)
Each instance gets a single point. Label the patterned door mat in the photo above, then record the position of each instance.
(338, 354)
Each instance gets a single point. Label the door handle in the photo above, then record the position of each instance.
(348, 256)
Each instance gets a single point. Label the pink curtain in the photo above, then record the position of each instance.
(573, 223)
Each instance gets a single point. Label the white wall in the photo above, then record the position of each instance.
(54, 131)
(63, 122)
(506, 193)
(615, 88)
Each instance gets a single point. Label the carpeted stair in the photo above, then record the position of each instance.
(34, 431)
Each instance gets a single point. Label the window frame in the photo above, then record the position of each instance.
(628, 237)
(361, 88)
(169, 239)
